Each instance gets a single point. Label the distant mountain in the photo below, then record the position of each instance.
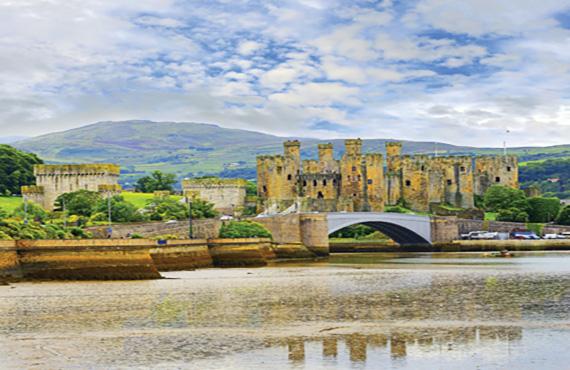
(11, 139)
(195, 149)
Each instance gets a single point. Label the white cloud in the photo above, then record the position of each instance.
(249, 47)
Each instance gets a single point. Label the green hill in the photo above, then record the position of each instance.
(196, 149)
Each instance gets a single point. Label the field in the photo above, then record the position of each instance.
(9, 204)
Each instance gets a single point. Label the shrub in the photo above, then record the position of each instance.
(136, 236)
(512, 215)
(564, 216)
(244, 229)
(34, 212)
(543, 209)
(81, 202)
(121, 210)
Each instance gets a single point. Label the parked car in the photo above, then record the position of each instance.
(524, 235)
(554, 236)
(480, 235)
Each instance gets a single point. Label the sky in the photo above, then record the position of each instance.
(466, 72)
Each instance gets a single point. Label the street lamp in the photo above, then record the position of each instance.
(189, 202)
(109, 229)
(25, 210)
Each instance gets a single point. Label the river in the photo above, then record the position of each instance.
(357, 311)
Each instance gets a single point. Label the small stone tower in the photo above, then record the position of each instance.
(393, 172)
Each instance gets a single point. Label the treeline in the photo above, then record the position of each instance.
(552, 177)
(16, 169)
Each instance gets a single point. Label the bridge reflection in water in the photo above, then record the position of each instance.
(357, 346)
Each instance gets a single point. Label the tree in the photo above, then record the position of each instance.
(121, 211)
(564, 216)
(203, 209)
(80, 203)
(166, 208)
(16, 169)
(155, 182)
(244, 229)
(543, 209)
(31, 211)
(250, 188)
(512, 215)
(499, 197)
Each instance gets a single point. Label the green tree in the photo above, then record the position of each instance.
(244, 229)
(499, 197)
(564, 216)
(16, 169)
(543, 209)
(80, 203)
(121, 210)
(32, 211)
(512, 215)
(166, 208)
(155, 182)
(250, 188)
(203, 209)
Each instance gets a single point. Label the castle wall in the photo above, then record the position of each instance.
(393, 172)
(495, 170)
(227, 195)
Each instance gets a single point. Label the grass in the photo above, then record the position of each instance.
(490, 216)
(140, 199)
(9, 204)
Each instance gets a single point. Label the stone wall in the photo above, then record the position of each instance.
(201, 229)
(444, 229)
(9, 264)
(466, 226)
(86, 259)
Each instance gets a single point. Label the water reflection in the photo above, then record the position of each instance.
(295, 316)
(357, 345)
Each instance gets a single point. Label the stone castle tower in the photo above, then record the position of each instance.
(365, 182)
(53, 180)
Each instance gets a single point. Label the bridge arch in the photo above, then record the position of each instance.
(404, 229)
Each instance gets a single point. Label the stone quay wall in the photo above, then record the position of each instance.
(130, 259)
(466, 226)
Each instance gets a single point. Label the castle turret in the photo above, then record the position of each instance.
(292, 150)
(393, 172)
(325, 152)
(353, 147)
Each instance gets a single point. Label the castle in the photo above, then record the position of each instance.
(365, 182)
(52, 180)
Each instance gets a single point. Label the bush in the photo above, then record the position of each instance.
(244, 229)
(136, 236)
(121, 211)
(166, 208)
(543, 209)
(34, 212)
(3, 214)
(354, 231)
(512, 215)
(80, 203)
(564, 216)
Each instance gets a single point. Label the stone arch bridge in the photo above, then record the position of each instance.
(312, 230)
